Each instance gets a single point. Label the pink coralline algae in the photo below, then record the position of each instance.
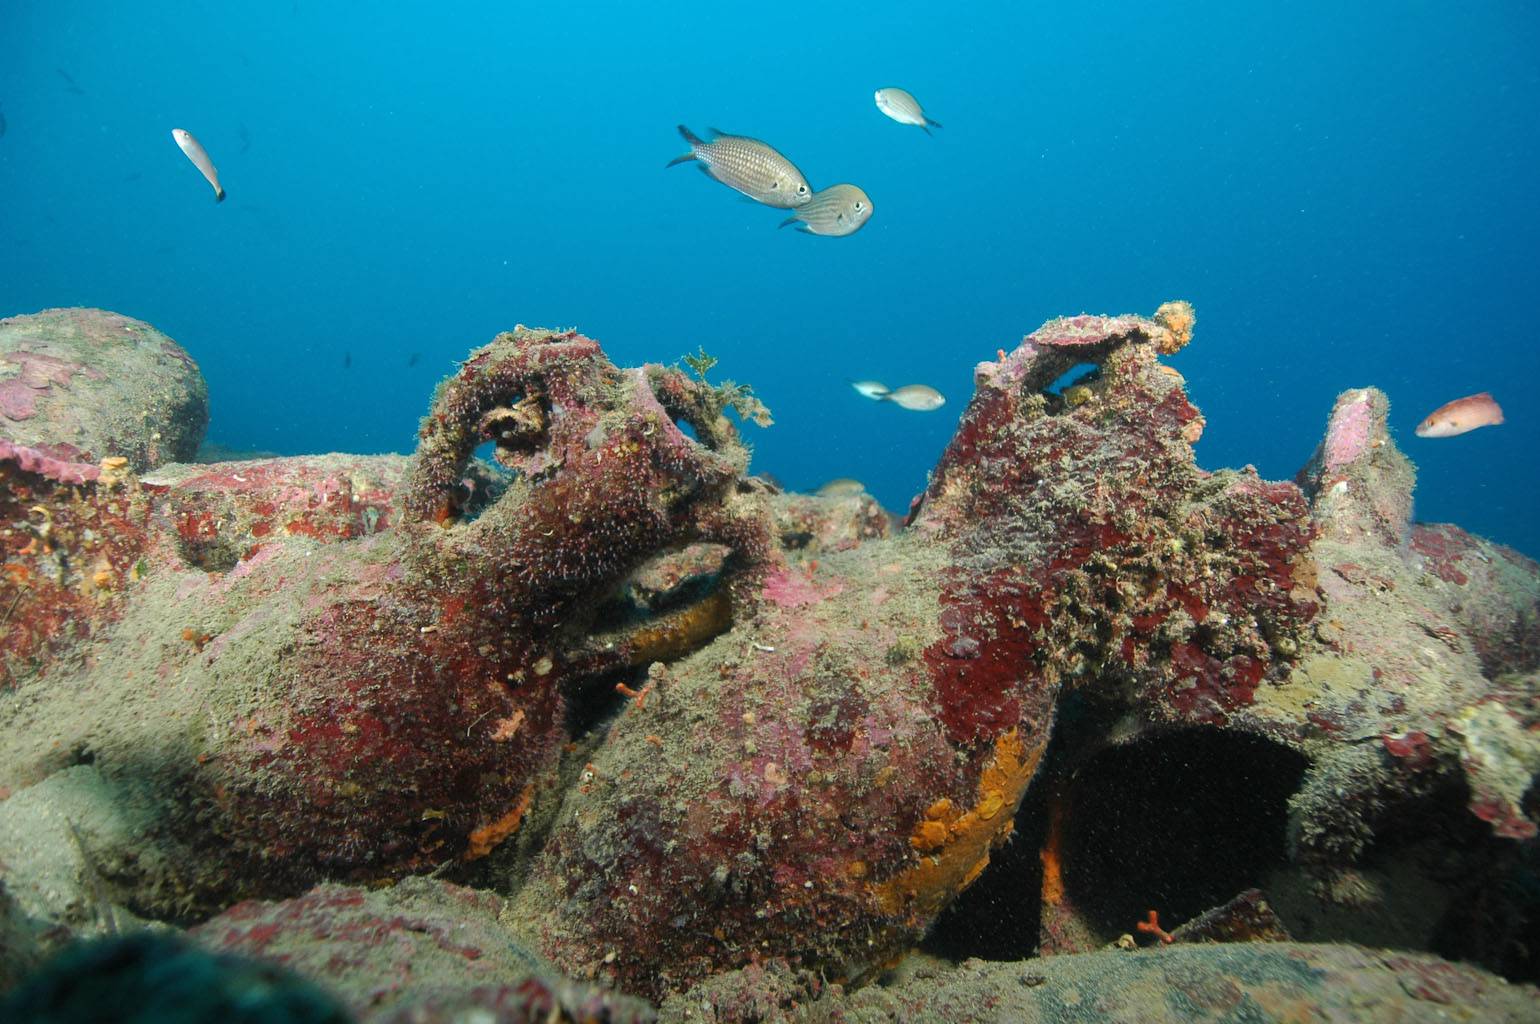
(39, 462)
(713, 743)
(104, 384)
(1348, 432)
(19, 394)
(790, 588)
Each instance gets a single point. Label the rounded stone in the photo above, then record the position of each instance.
(87, 384)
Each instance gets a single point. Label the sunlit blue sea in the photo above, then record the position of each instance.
(1346, 192)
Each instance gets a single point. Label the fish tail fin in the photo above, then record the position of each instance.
(694, 140)
(219, 195)
(717, 131)
(930, 123)
(874, 395)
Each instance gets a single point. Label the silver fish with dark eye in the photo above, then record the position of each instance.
(752, 167)
(837, 210)
(902, 107)
(200, 159)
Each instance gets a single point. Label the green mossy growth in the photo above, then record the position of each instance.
(701, 363)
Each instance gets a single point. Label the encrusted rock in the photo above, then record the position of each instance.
(86, 385)
(1179, 984)
(808, 795)
(421, 951)
(329, 668)
(689, 725)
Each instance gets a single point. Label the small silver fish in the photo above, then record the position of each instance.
(904, 108)
(200, 159)
(835, 211)
(916, 398)
(752, 167)
(872, 389)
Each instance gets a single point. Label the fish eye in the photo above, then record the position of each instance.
(860, 206)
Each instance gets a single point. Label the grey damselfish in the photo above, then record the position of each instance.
(916, 398)
(902, 107)
(837, 210)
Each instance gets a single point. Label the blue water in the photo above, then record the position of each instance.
(1346, 192)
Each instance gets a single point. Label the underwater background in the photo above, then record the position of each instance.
(1345, 192)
